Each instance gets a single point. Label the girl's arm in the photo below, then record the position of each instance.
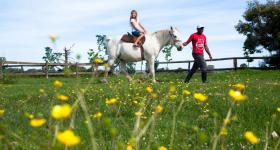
(142, 27)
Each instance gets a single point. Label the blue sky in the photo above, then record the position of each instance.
(25, 25)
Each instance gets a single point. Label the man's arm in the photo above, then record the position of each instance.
(188, 41)
(207, 51)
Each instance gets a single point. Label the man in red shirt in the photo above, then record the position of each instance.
(199, 44)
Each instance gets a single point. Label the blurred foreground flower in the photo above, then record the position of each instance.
(200, 97)
(186, 93)
(97, 115)
(239, 86)
(278, 109)
(149, 89)
(111, 101)
(237, 96)
(162, 148)
(68, 138)
(158, 108)
(57, 84)
(62, 97)
(37, 122)
(61, 111)
(251, 137)
(2, 111)
(138, 113)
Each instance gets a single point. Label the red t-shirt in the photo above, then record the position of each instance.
(198, 42)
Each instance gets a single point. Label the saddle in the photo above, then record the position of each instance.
(129, 38)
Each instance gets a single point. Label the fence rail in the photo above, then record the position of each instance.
(46, 72)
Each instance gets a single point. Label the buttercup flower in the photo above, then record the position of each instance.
(97, 115)
(162, 148)
(172, 89)
(278, 109)
(68, 138)
(138, 113)
(251, 137)
(111, 101)
(172, 96)
(158, 108)
(200, 97)
(61, 111)
(186, 93)
(149, 89)
(2, 111)
(239, 86)
(62, 97)
(57, 84)
(237, 96)
(37, 122)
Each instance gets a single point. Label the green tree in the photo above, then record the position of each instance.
(261, 28)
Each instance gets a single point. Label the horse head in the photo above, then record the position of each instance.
(176, 38)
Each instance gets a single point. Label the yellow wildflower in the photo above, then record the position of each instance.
(68, 138)
(138, 113)
(2, 111)
(28, 115)
(224, 132)
(57, 84)
(98, 60)
(172, 89)
(53, 38)
(61, 111)
(97, 115)
(159, 108)
(62, 97)
(111, 101)
(129, 147)
(162, 148)
(239, 86)
(237, 96)
(200, 97)
(251, 137)
(186, 93)
(149, 89)
(37, 122)
(278, 109)
(172, 97)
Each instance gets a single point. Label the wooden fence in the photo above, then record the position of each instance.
(45, 66)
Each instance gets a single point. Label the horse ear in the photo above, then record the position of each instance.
(171, 28)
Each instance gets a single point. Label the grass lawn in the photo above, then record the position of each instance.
(183, 124)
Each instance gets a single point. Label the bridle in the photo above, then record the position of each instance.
(174, 38)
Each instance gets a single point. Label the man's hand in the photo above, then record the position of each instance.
(185, 44)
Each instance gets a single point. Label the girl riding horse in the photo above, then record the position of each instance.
(137, 29)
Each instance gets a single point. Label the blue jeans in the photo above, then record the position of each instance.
(136, 33)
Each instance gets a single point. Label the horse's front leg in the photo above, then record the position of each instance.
(151, 63)
(109, 66)
(123, 69)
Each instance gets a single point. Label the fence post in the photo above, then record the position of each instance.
(47, 69)
(1, 69)
(235, 63)
(189, 66)
(77, 70)
(21, 68)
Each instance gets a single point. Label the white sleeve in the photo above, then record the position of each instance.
(132, 20)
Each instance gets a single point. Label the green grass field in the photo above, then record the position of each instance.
(196, 125)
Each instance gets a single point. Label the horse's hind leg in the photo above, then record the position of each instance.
(151, 63)
(110, 64)
(123, 70)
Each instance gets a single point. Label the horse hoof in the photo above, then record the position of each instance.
(154, 81)
(105, 81)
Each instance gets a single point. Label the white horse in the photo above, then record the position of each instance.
(125, 52)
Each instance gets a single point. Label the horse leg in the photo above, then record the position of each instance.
(110, 63)
(151, 63)
(123, 69)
